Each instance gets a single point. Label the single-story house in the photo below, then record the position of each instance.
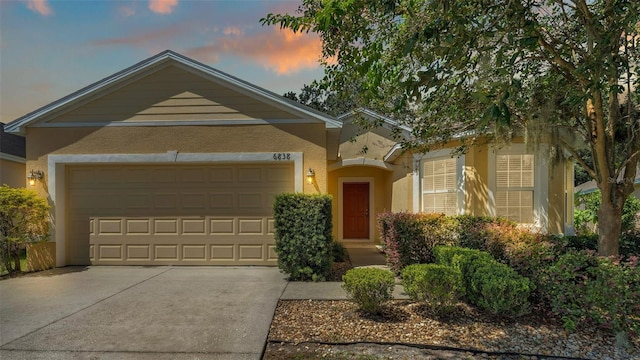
(12, 159)
(173, 162)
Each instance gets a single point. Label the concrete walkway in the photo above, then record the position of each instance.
(361, 254)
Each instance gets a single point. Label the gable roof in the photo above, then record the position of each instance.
(157, 61)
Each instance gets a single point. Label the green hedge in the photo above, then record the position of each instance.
(440, 286)
(488, 284)
(370, 288)
(303, 235)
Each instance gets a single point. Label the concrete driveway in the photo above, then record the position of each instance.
(139, 313)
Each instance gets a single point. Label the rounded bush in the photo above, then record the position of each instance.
(439, 285)
(500, 290)
(370, 288)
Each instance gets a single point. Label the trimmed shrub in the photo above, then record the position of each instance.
(370, 288)
(409, 238)
(303, 235)
(444, 255)
(583, 287)
(497, 288)
(439, 285)
(488, 284)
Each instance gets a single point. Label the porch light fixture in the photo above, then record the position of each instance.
(35, 175)
(311, 175)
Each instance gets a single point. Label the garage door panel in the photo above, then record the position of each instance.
(222, 200)
(194, 200)
(138, 227)
(223, 226)
(138, 252)
(194, 227)
(173, 214)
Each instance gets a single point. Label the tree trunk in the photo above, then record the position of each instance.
(609, 227)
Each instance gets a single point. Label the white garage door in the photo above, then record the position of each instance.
(173, 215)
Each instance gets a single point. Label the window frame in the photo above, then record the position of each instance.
(540, 181)
(418, 183)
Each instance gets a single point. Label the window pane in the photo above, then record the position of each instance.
(439, 183)
(515, 205)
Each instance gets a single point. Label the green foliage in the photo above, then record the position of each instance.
(338, 252)
(499, 289)
(446, 255)
(586, 220)
(303, 235)
(488, 284)
(370, 288)
(24, 217)
(582, 287)
(409, 238)
(439, 285)
(549, 70)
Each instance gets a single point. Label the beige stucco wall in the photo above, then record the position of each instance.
(402, 184)
(12, 173)
(381, 192)
(477, 181)
(306, 138)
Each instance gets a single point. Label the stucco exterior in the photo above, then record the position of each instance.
(13, 172)
(170, 112)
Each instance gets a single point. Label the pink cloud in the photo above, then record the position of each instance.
(281, 51)
(40, 6)
(162, 6)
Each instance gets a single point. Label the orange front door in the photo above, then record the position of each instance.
(355, 203)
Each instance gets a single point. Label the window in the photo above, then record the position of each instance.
(514, 187)
(439, 180)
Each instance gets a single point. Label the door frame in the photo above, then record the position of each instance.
(341, 182)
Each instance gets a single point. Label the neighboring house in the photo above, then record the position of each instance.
(173, 162)
(12, 159)
(591, 186)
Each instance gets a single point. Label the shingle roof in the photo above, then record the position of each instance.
(12, 144)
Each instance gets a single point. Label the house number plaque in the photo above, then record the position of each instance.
(281, 156)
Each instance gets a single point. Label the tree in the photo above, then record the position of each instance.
(23, 218)
(319, 96)
(563, 72)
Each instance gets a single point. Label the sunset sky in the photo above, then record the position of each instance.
(50, 48)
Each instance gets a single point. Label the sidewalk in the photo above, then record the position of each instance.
(362, 254)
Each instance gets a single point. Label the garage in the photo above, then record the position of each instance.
(165, 214)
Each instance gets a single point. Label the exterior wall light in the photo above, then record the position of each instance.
(311, 175)
(35, 175)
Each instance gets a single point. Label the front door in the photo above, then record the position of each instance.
(355, 210)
